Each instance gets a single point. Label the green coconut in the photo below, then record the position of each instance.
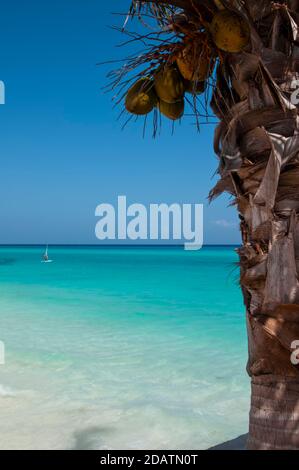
(141, 97)
(172, 111)
(230, 31)
(169, 84)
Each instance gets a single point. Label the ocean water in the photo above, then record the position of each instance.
(121, 348)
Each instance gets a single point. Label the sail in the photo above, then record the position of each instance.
(46, 257)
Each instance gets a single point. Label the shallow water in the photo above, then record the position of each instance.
(132, 348)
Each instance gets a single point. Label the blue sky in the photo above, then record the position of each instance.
(62, 149)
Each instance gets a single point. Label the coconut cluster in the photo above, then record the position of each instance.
(166, 90)
(189, 69)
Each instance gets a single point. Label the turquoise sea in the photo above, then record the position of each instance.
(121, 348)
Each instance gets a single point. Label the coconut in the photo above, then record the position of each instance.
(141, 97)
(169, 84)
(172, 111)
(195, 88)
(230, 31)
(194, 62)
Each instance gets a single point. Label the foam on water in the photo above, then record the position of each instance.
(6, 392)
(121, 348)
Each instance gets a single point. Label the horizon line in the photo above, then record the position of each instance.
(110, 245)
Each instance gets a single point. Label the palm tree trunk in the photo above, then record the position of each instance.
(258, 146)
(274, 413)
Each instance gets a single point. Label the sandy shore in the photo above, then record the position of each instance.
(235, 444)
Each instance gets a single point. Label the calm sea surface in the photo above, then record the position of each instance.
(121, 348)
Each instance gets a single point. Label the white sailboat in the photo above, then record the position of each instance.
(46, 256)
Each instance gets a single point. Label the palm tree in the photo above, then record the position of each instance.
(256, 55)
